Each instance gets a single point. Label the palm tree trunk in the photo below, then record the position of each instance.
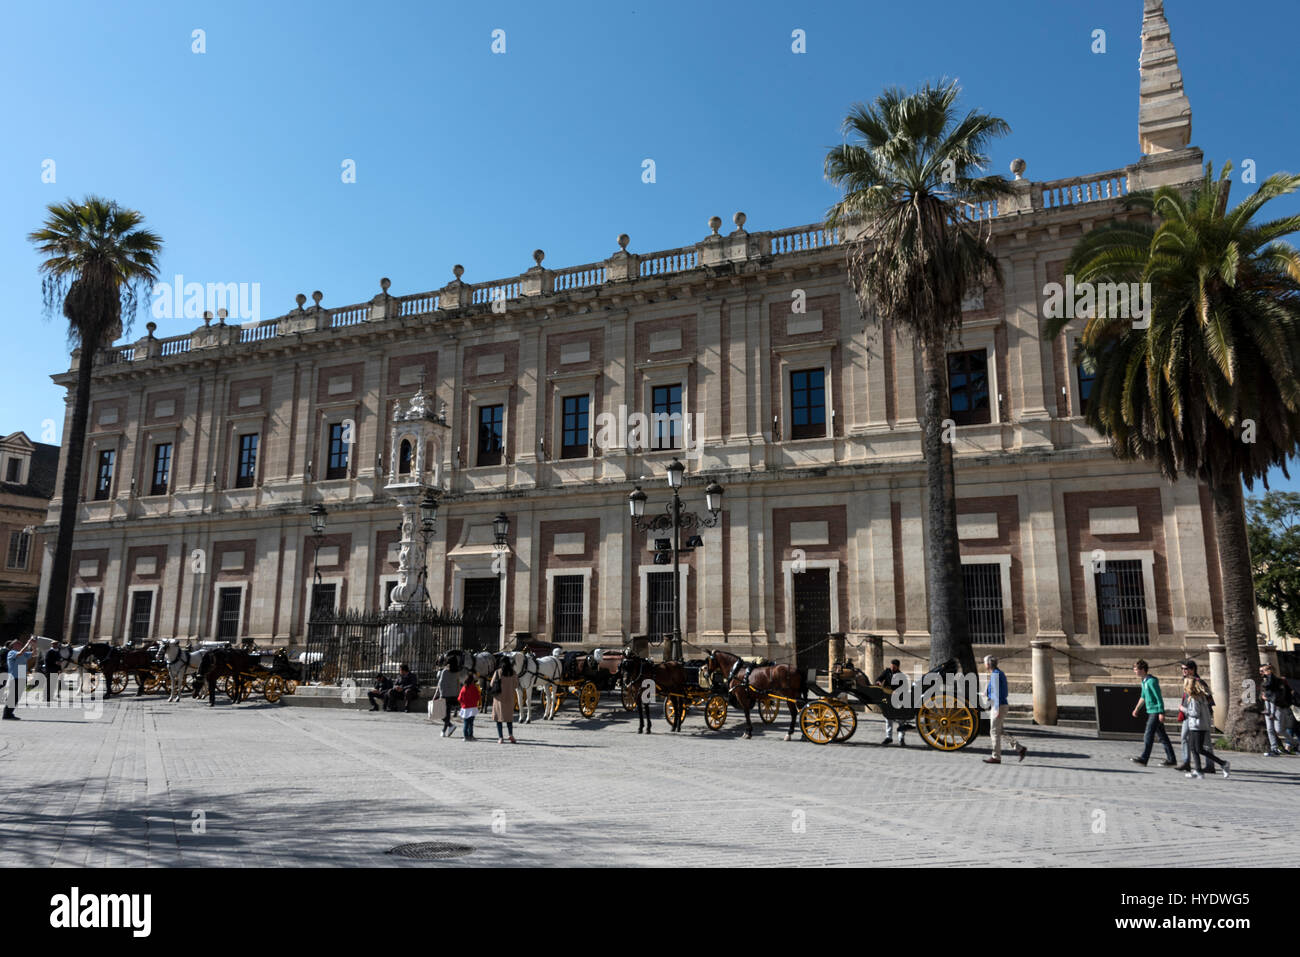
(1245, 728)
(56, 599)
(949, 627)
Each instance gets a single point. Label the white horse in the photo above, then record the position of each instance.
(532, 672)
(73, 656)
(180, 662)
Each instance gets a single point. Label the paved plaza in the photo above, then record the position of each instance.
(159, 784)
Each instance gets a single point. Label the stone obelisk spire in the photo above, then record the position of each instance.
(1164, 113)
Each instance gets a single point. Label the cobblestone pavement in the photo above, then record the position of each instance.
(251, 785)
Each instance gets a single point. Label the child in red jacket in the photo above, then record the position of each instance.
(469, 698)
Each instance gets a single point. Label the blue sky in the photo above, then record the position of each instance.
(465, 156)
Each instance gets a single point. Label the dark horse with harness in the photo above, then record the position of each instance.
(668, 676)
(750, 683)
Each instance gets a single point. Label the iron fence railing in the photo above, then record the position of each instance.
(358, 644)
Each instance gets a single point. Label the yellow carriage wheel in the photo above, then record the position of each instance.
(768, 709)
(670, 709)
(151, 682)
(119, 682)
(273, 688)
(946, 724)
(820, 722)
(588, 699)
(715, 712)
(848, 720)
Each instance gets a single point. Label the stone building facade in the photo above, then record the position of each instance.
(27, 474)
(205, 452)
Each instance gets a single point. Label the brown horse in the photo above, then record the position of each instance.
(749, 683)
(134, 661)
(668, 676)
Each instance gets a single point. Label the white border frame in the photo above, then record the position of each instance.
(551, 575)
(643, 573)
(787, 569)
(802, 358)
(216, 604)
(335, 580)
(131, 592)
(96, 591)
(1147, 557)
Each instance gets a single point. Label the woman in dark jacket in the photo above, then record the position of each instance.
(444, 697)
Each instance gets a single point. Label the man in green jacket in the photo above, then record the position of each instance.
(1155, 708)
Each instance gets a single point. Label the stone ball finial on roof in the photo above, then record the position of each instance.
(623, 240)
(207, 317)
(715, 223)
(385, 283)
(151, 326)
(300, 299)
(1018, 167)
(739, 220)
(458, 270)
(316, 297)
(538, 256)
(221, 316)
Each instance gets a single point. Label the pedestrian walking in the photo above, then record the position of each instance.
(1155, 710)
(469, 698)
(1189, 670)
(1277, 699)
(20, 652)
(504, 685)
(1200, 720)
(996, 691)
(446, 688)
(891, 678)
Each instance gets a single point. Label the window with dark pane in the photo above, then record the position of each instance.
(1086, 381)
(337, 464)
(808, 404)
(983, 586)
(568, 607)
(404, 458)
(104, 474)
(659, 603)
(246, 469)
(13, 469)
(1122, 603)
(491, 431)
(968, 387)
(666, 416)
(575, 423)
(141, 615)
(162, 468)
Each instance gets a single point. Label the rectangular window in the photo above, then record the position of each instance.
(968, 387)
(1122, 604)
(573, 444)
(323, 597)
(141, 615)
(228, 608)
(246, 472)
(104, 474)
(491, 431)
(983, 586)
(337, 467)
(1086, 380)
(659, 604)
(19, 546)
(666, 416)
(13, 469)
(568, 608)
(162, 468)
(808, 404)
(388, 592)
(83, 614)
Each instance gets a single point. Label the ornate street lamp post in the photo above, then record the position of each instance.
(428, 525)
(676, 519)
(317, 513)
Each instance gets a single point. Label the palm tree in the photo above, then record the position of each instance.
(909, 193)
(1211, 388)
(98, 264)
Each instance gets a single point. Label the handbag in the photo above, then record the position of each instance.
(495, 687)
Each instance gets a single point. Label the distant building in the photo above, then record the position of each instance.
(27, 477)
(749, 356)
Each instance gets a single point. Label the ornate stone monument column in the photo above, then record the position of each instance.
(415, 469)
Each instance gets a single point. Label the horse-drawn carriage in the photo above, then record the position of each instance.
(943, 708)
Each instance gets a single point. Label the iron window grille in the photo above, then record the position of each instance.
(983, 585)
(228, 609)
(247, 471)
(104, 474)
(323, 597)
(808, 404)
(659, 603)
(568, 608)
(162, 468)
(337, 465)
(666, 416)
(83, 614)
(576, 431)
(491, 431)
(141, 615)
(968, 387)
(1121, 604)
